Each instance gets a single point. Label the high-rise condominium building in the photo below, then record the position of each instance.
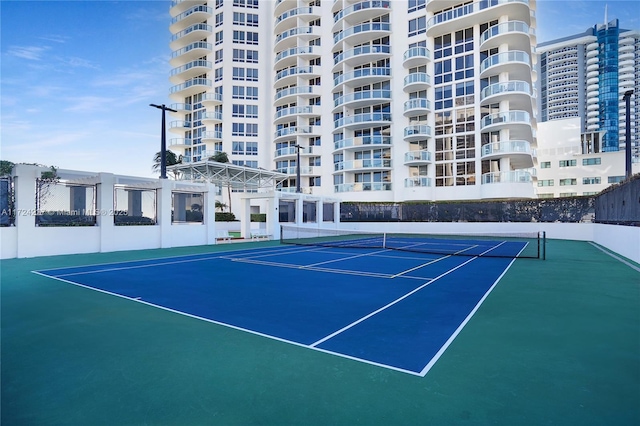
(380, 100)
(586, 76)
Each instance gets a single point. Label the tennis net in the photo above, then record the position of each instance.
(511, 245)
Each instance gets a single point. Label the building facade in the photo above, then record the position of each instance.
(586, 76)
(372, 100)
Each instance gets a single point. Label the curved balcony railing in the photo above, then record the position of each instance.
(417, 130)
(384, 4)
(373, 163)
(362, 118)
(513, 176)
(505, 87)
(290, 150)
(369, 26)
(294, 32)
(417, 156)
(187, 84)
(293, 71)
(212, 134)
(180, 124)
(417, 103)
(179, 142)
(212, 115)
(420, 181)
(300, 50)
(362, 50)
(296, 90)
(416, 52)
(467, 9)
(362, 141)
(294, 111)
(506, 147)
(504, 58)
(505, 28)
(192, 28)
(212, 97)
(364, 186)
(506, 118)
(296, 130)
(294, 12)
(195, 9)
(364, 72)
(357, 96)
(197, 45)
(193, 64)
(417, 77)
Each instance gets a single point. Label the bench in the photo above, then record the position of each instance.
(256, 234)
(223, 235)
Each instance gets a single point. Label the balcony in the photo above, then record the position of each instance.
(178, 143)
(362, 77)
(286, 114)
(290, 75)
(190, 70)
(415, 57)
(417, 158)
(194, 15)
(515, 62)
(513, 176)
(307, 131)
(417, 81)
(417, 132)
(374, 163)
(290, 94)
(515, 34)
(470, 14)
(361, 121)
(189, 35)
(362, 186)
(417, 181)
(179, 6)
(190, 53)
(363, 11)
(417, 106)
(363, 32)
(211, 117)
(358, 99)
(362, 54)
(211, 136)
(517, 122)
(518, 151)
(290, 56)
(362, 141)
(179, 126)
(188, 88)
(289, 20)
(211, 99)
(517, 93)
(289, 38)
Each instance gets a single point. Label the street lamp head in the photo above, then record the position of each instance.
(628, 93)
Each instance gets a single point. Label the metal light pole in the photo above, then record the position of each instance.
(163, 140)
(627, 143)
(298, 148)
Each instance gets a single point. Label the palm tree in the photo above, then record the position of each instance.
(222, 157)
(171, 159)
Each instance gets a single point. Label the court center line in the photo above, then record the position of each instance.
(358, 321)
(344, 258)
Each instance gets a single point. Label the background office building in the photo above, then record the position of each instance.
(380, 100)
(586, 76)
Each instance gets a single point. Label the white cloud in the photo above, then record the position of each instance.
(32, 53)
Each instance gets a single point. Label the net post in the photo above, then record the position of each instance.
(281, 234)
(384, 240)
(544, 245)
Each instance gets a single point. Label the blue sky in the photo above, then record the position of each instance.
(77, 77)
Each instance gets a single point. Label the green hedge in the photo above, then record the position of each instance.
(258, 217)
(225, 217)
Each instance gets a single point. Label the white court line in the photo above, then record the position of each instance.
(629, 264)
(451, 338)
(493, 248)
(234, 327)
(290, 266)
(419, 266)
(343, 258)
(343, 329)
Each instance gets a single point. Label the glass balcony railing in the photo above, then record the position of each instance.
(362, 50)
(357, 96)
(413, 156)
(362, 186)
(373, 163)
(294, 12)
(420, 129)
(212, 134)
(420, 181)
(362, 118)
(505, 58)
(417, 103)
(294, 32)
(192, 28)
(417, 52)
(361, 6)
(417, 77)
(190, 83)
(193, 64)
(506, 147)
(506, 118)
(513, 176)
(505, 87)
(297, 90)
(285, 131)
(301, 50)
(505, 28)
(369, 26)
(195, 9)
(468, 9)
(294, 110)
(212, 97)
(362, 140)
(293, 71)
(364, 72)
(179, 141)
(197, 45)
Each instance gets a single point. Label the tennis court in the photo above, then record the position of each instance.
(266, 333)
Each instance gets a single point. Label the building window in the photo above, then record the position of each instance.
(547, 182)
(591, 161)
(417, 26)
(237, 147)
(238, 55)
(252, 56)
(238, 18)
(252, 74)
(546, 195)
(416, 5)
(545, 165)
(252, 38)
(219, 19)
(252, 20)
(252, 93)
(251, 148)
(568, 194)
(590, 181)
(568, 182)
(218, 57)
(615, 179)
(567, 163)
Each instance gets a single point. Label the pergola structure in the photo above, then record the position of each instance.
(228, 175)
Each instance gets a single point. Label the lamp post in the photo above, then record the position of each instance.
(298, 148)
(163, 140)
(627, 139)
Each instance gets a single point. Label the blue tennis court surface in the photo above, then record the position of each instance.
(393, 309)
